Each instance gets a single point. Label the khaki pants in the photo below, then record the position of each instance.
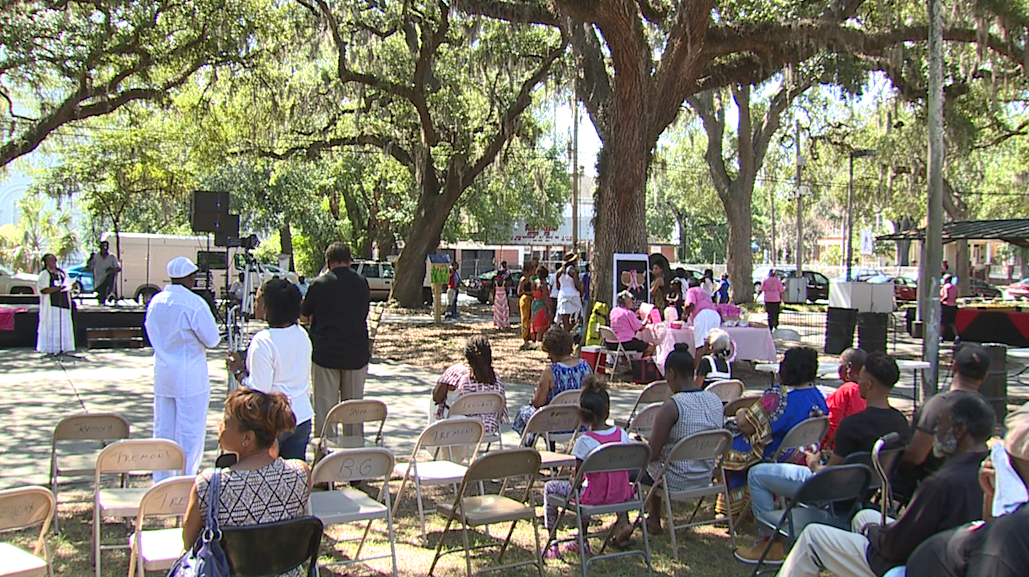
(331, 386)
(840, 552)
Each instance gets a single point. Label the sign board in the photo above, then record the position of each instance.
(867, 242)
(560, 235)
(632, 273)
(439, 272)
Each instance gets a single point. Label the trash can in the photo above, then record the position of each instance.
(839, 329)
(872, 332)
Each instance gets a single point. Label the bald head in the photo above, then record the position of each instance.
(851, 361)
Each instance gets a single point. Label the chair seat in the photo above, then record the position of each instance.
(488, 509)
(20, 563)
(345, 506)
(802, 517)
(554, 460)
(434, 472)
(121, 502)
(161, 548)
(76, 465)
(692, 493)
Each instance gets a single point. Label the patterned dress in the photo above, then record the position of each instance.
(460, 376)
(275, 492)
(565, 379)
(501, 309)
(699, 411)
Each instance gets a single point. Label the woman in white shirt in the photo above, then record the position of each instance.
(569, 292)
(279, 360)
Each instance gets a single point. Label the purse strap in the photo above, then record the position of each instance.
(211, 531)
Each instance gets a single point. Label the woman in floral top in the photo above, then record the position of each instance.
(475, 375)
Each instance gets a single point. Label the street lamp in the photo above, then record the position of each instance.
(860, 153)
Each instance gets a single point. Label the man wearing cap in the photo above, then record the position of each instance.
(997, 546)
(104, 267)
(180, 326)
(950, 497)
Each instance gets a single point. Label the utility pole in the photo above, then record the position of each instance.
(575, 170)
(771, 202)
(933, 254)
(800, 209)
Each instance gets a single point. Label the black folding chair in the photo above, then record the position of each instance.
(813, 502)
(271, 549)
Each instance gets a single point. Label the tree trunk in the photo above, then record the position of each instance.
(903, 246)
(286, 242)
(740, 265)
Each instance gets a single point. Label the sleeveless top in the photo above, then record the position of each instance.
(568, 284)
(606, 488)
(714, 374)
(275, 492)
(699, 411)
(567, 378)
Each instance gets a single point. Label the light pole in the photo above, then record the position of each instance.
(860, 153)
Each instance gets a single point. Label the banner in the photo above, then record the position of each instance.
(632, 273)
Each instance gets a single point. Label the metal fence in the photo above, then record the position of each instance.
(811, 328)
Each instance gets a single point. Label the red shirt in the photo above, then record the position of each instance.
(842, 403)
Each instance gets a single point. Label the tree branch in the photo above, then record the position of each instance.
(510, 11)
(313, 149)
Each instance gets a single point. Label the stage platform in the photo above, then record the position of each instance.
(22, 331)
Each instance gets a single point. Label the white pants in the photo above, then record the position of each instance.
(840, 552)
(705, 321)
(183, 420)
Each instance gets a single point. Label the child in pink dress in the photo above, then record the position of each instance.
(599, 488)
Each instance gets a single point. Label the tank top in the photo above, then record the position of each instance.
(715, 374)
(610, 487)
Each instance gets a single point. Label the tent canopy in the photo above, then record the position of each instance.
(1014, 231)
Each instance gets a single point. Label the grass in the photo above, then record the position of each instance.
(703, 550)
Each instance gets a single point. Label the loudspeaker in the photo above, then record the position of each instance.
(223, 224)
(208, 212)
(210, 202)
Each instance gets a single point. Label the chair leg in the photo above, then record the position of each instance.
(421, 509)
(646, 543)
(693, 516)
(439, 546)
(582, 541)
(507, 540)
(400, 494)
(539, 552)
(671, 526)
(467, 553)
(732, 528)
(96, 538)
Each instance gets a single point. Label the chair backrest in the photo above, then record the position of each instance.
(450, 433)
(168, 498)
(656, 392)
(741, 403)
(569, 397)
(607, 334)
(353, 412)
(810, 431)
(842, 483)
(552, 419)
(728, 390)
(272, 548)
(92, 427)
(478, 404)
(140, 455)
(644, 420)
(503, 465)
(354, 465)
(887, 457)
(701, 446)
(25, 507)
(615, 457)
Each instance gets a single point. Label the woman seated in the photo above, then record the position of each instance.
(279, 360)
(475, 375)
(717, 364)
(690, 410)
(259, 488)
(762, 426)
(625, 324)
(565, 373)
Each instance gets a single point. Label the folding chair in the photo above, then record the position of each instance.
(656, 392)
(484, 510)
(352, 412)
(157, 550)
(808, 432)
(121, 458)
(813, 503)
(569, 397)
(547, 420)
(709, 445)
(272, 548)
(607, 335)
(644, 421)
(20, 509)
(728, 390)
(478, 404)
(82, 427)
(606, 458)
(740, 403)
(456, 432)
(888, 460)
(349, 505)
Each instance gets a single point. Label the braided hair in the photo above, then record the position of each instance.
(479, 355)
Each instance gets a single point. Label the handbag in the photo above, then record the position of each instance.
(206, 558)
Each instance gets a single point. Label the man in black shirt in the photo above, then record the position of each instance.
(997, 546)
(856, 434)
(336, 305)
(950, 497)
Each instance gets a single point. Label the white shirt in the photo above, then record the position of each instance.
(236, 290)
(279, 361)
(568, 289)
(180, 326)
(552, 281)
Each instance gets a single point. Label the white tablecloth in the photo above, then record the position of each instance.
(752, 343)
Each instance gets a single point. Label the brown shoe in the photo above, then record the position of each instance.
(752, 554)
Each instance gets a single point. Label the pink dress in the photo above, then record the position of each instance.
(606, 488)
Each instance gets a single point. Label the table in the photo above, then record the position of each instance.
(752, 343)
(825, 368)
(830, 369)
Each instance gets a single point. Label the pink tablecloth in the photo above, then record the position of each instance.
(752, 344)
(7, 318)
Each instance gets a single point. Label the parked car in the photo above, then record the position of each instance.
(981, 289)
(1020, 289)
(12, 283)
(82, 279)
(858, 274)
(904, 288)
(817, 283)
(481, 286)
(379, 275)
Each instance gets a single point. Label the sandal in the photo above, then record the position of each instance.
(573, 548)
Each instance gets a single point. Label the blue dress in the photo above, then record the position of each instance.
(565, 379)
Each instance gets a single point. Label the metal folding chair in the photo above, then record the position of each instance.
(20, 509)
(272, 548)
(473, 404)
(740, 403)
(349, 505)
(347, 415)
(656, 392)
(608, 336)
(810, 431)
(101, 427)
(547, 420)
(158, 549)
(727, 390)
(487, 509)
(644, 421)
(606, 458)
(709, 445)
